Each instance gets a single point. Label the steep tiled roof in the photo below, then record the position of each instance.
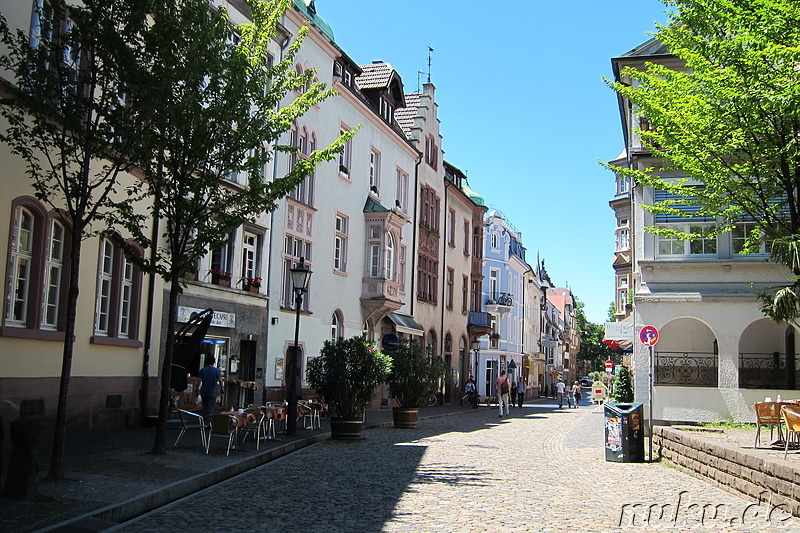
(405, 115)
(375, 75)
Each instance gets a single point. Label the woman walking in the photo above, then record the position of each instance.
(577, 393)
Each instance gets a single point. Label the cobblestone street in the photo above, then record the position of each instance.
(542, 469)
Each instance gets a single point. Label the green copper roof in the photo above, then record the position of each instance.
(475, 197)
(308, 9)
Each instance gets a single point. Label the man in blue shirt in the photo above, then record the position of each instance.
(209, 377)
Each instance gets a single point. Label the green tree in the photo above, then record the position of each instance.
(64, 119)
(593, 349)
(623, 387)
(728, 119)
(215, 106)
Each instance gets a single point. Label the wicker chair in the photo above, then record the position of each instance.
(767, 414)
(791, 415)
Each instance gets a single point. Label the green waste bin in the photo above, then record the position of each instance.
(624, 432)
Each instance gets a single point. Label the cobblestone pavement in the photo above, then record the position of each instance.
(540, 470)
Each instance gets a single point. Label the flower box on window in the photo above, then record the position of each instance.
(252, 285)
(221, 278)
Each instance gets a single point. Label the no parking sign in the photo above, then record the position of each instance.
(648, 335)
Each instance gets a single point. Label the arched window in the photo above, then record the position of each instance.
(337, 326)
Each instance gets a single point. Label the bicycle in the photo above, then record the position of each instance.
(470, 399)
(433, 399)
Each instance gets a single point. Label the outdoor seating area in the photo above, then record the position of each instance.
(258, 422)
(781, 415)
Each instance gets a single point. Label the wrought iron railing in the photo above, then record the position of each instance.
(690, 369)
(768, 371)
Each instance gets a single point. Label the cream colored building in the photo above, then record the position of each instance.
(716, 353)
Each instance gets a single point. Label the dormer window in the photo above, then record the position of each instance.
(386, 110)
(348, 78)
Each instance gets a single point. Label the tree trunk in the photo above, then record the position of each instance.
(160, 442)
(56, 471)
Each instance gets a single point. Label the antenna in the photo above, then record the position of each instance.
(419, 89)
(429, 63)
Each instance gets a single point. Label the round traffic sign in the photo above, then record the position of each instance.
(609, 365)
(648, 335)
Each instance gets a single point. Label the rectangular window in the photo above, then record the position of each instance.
(222, 257)
(739, 234)
(402, 267)
(21, 266)
(622, 239)
(54, 270)
(464, 294)
(126, 296)
(105, 281)
(340, 243)
(374, 170)
(494, 284)
(294, 249)
(466, 237)
(704, 245)
(451, 231)
(401, 199)
(345, 156)
(251, 246)
(451, 274)
(427, 278)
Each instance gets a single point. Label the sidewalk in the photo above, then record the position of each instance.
(111, 477)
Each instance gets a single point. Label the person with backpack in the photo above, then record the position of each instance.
(502, 388)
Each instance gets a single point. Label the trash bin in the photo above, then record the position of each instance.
(624, 432)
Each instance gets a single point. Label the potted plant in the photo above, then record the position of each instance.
(413, 378)
(221, 278)
(252, 284)
(345, 376)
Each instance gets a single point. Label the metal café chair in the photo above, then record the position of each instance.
(268, 427)
(791, 416)
(222, 425)
(767, 414)
(253, 428)
(190, 420)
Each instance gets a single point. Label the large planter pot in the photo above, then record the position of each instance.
(346, 428)
(405, 417)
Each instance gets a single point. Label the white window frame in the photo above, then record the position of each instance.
(685, 247)
(401, 199)
(54, 268)
(374, 171)
(341, 229)
(21, 267)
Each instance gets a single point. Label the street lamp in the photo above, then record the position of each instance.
(476, 347)
(300, 276)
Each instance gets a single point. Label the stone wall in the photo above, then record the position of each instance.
(774, 482)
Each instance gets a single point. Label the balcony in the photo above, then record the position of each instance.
(500, 304)
(479, 324)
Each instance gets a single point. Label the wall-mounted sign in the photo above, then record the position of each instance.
(220, 319)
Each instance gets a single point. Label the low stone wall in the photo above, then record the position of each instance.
(764, 480)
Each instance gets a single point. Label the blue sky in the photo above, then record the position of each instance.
(523, 109)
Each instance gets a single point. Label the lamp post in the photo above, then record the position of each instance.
(300, 276)
(476, 347)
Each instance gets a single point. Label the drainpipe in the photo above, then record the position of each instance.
(414, 234)
(268, 276)
(444, 265)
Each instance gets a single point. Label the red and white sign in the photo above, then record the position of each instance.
(648, 335)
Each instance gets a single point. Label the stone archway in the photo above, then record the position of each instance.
(687, 354)
(767, 358)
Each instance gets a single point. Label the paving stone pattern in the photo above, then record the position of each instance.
(541, 470)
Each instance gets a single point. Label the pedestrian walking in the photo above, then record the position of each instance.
(473, 392)
(209, 377)
(560, 388)
(521, 392)
(502, 388)
(577, 392)
(513, 396)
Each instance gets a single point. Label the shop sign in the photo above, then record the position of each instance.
(220, 319)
